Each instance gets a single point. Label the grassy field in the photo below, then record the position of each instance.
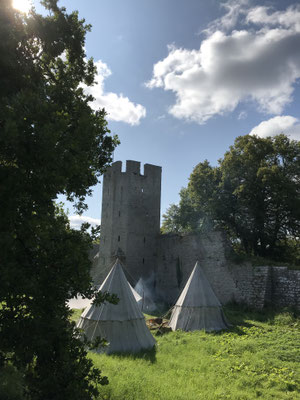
(259, 357)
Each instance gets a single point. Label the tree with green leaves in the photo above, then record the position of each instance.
(51, 142)
(182, 217)
(254, 194)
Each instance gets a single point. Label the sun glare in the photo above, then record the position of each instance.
(22, 5)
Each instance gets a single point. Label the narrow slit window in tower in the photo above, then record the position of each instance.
(118, 238)
(144, 240)
(143, 261)
(119, 213)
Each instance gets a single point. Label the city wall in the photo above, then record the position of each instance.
(130, 230)
(258, 287)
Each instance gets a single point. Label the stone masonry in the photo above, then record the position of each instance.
(130, 219)
(130, 230)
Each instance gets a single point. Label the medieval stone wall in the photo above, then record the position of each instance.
(130, 230)
(253, 284)
(177, 256)
(256, 286)
(130, 219)
(285, 287)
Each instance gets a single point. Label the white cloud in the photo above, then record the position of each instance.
(259, 62)
(234, 10)
(118, 107)
(266, 16)
(77, 220)
(242, 115)
(286, 124)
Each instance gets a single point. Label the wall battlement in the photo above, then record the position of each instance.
(134, 167)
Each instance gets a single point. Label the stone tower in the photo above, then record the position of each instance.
(130, 219)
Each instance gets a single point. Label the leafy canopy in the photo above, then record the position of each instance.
(254, 194)
(51, 143)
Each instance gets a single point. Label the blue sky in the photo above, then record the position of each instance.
(180, 80)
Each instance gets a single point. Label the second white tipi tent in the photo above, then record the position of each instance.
(145, 302)
(122, 325)
(197, 307)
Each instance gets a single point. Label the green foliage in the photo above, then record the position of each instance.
(261, 187)
(95, 233)
(11, 384)
(254, 194)
(51, 143)
(75, 315)
(171, 220)
(182, 218)
(257, 358)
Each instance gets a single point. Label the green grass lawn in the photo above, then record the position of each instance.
(76, 314)
(259, 357)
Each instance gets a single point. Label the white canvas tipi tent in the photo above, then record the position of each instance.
(197, 307)
(146, 303)
(137, 297)
(123, 324)
(79, 302)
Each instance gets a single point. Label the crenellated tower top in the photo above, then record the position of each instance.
(130, 220)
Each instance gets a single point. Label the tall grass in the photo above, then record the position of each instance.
(258, 357)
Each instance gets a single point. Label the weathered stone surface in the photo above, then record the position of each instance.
(177, 256)
(130, 230)
(285, 287)
(130, 219)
